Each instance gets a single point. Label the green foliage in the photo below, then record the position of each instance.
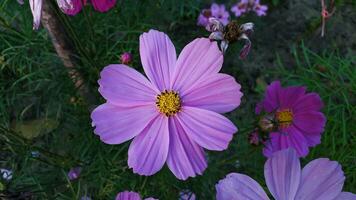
(34, 84)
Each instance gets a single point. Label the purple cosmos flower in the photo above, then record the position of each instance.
(320, 179)
(245, 6)
(127, 195)
(292, 118)
(186, 195)
(126, 58)
(217, 11)
(36, 9)
(173, 115)
(74, 173)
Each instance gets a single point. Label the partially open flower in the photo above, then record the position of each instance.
(230, 33)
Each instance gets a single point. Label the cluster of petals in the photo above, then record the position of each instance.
(69, 7)
(179, 140)
(129, 195)
(245, 6)
(320, 179)
(307, 122)
(217, 11)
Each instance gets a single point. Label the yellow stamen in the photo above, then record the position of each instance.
(168, 103)
(284, 118)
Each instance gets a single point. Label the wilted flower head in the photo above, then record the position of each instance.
(254, 138)
(6, 174)
(126, 58)
(167, 114)
(186, 195)
(74, 173)
(320, 179)
(217, 11)
(245, 6)
(230, 33)
(291, 117)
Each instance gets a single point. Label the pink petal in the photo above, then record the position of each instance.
(126, 195)
(116, 125)
(289, 95)
(271, 100)
(218, 92)
(209, 129)
(103, 5)
(185, 157)
(70, 7)
(346, 196)
(239, 187)
(124, 86)
(199, 59)
(36, 9)
(311, 122)
(309, 102)
(282, 174)
(322, 179)
(289, 138)
(158, 57)
(148, 151)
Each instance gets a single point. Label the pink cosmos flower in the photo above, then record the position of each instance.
(126, 195)
(71, 7)
(245, 6)
(217, 11)
(174, 114)
(320, 179)
(103, 5)
(292, 118)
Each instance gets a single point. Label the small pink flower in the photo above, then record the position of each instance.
(126, 58)
(320, 179)
(175, 114)
(294, 116)
(216, 11)
(245, 6)
(74, 173)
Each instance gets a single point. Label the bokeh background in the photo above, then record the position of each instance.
(45, 124)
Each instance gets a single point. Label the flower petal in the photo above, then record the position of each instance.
(282, 174)
(116, 125)
(36, 9)
(271, 100)
(346, 196)
(124, 86)
(311, 122)
(288, 138)
(126, 195)
(209, 129)
(70, 7)
(103, 5)
(148, 151)
(309, 102)
(198, 59)
(289, 95)
(218, 92)
(158, 57)
(238, 186)
(185, 157)
(322, 179)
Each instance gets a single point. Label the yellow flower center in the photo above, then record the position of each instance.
(284, 118)
(168, 103)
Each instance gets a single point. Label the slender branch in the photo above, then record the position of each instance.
(64, 50)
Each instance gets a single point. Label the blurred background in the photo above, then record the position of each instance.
(45, 120)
